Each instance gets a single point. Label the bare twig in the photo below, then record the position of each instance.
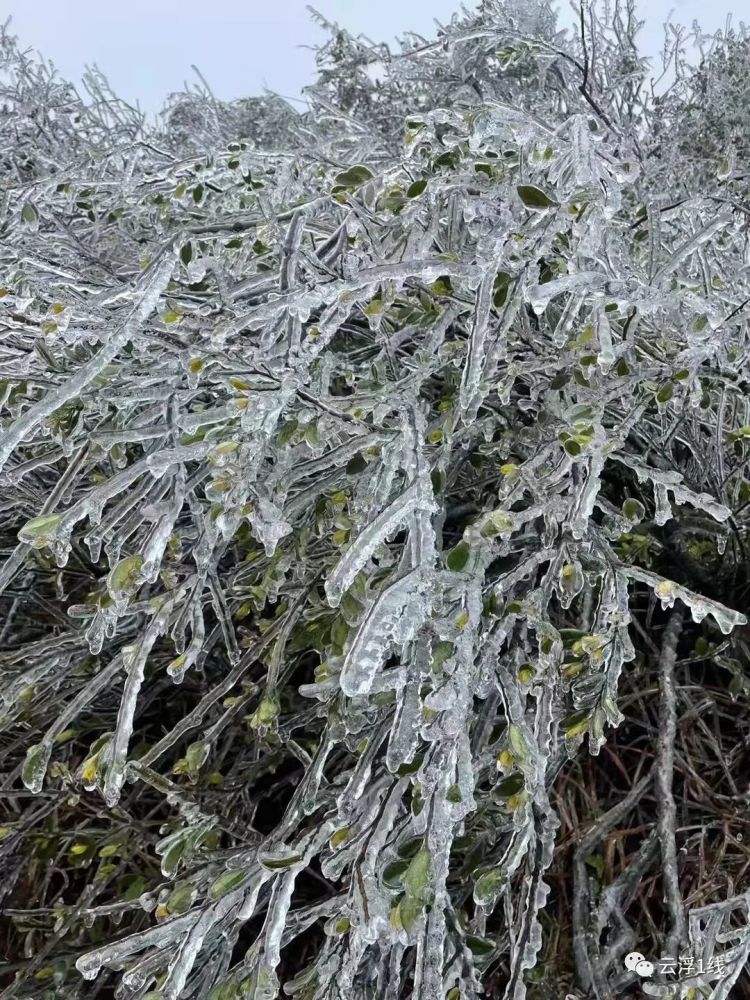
(589, 962)
(664, 768)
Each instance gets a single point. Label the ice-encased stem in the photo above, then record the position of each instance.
(135, 665)
(472, 372)
(377, 629)
(87, 372)
(668, 590)
(418, 495)
(85, 696)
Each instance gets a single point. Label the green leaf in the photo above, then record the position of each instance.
(526, 674)
(534, 198)
(500, 288)
(481, 947)
(409, 848)
(393, 874)
(225, 883)
(39, 529)
(417, 876)
(354, 177)
(458, 557)
(517, 740)
(394, 200)
(498, 522)
(442, 651)
(511, 785)
(409, 912)
(126, 577)
(267, 711)
(29, 214)
(356, 465)
(171, 859)
(575, 724)
(196, 755)
(633, 510)
(339, 837)
(404, 770)
(417, 188)
(442, 286)
(487, 887)
(595, 861)
(665, 393)
(287, 431)
(454, 794)
(274, 864)
(35, 766)
(339, 633)
(135, 888)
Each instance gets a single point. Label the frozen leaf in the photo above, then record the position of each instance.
(534, 198)
(35, 766)
(125, 578)
(40, 530)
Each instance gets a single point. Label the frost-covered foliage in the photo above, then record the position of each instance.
(705, 112)
(44, 123)
(349, 467)
(194, 120)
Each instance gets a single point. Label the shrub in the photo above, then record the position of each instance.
(348, 481)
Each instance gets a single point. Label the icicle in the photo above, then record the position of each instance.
(268, 524)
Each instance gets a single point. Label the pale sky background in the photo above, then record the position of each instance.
(146, 47)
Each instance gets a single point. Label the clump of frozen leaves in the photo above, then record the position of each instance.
(331, 468)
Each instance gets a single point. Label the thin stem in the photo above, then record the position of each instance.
(664, 770)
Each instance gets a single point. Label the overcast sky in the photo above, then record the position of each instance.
(146, 47)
